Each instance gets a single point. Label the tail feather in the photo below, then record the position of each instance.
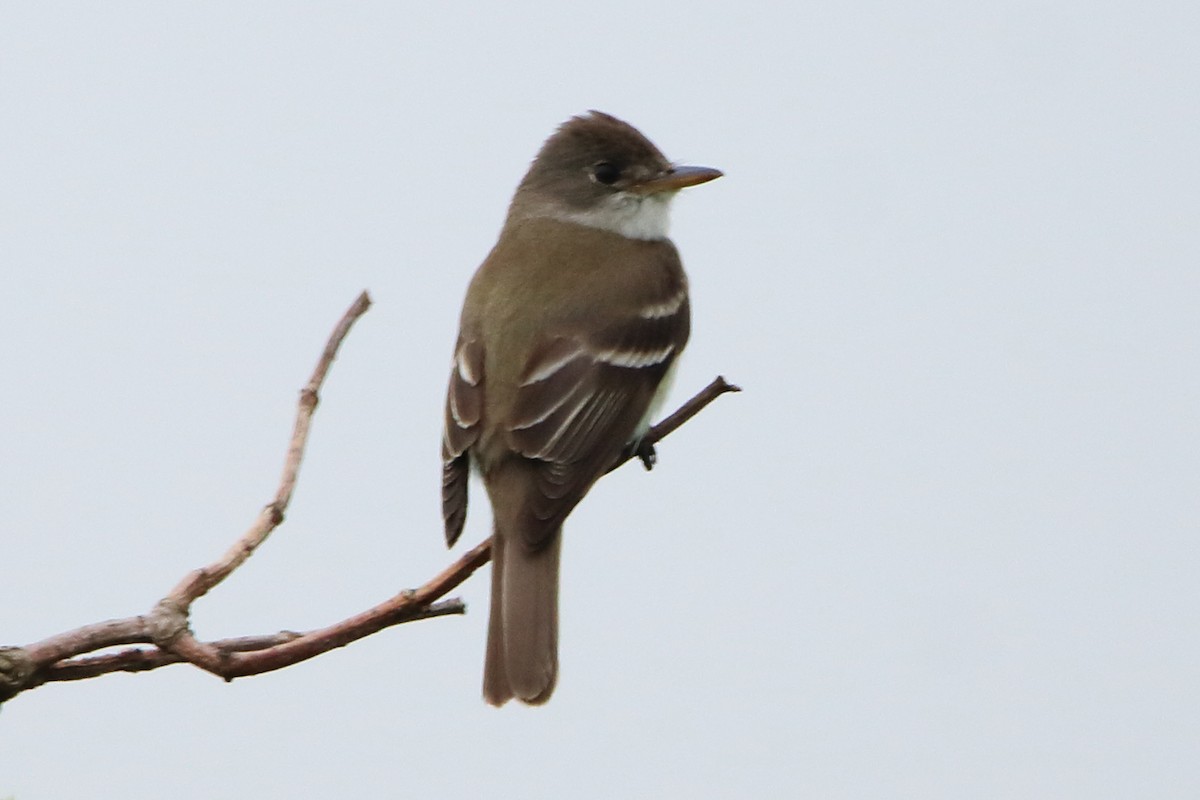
(522, 647)
(496, 690)
(531, 619)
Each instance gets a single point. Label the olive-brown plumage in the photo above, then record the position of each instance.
(568, 333)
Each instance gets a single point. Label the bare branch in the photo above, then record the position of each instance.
(170, 615)
(404, 607)
(140, 659)
(691, 408)
(197, 583)
(165, 628)
(89, 638)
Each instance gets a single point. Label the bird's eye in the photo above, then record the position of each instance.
(605, 172)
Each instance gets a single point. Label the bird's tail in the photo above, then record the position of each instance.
(522, 643)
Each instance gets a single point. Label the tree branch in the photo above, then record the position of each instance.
(165, 629)
(199, 582)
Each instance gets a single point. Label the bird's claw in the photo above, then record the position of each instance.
(645, 451)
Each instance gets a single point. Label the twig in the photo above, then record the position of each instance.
(691, 408)
(169, 623)
(140, 659)
(197, 583)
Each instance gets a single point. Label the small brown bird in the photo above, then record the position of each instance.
(568, 338)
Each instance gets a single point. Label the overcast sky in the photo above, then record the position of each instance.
(944, 545)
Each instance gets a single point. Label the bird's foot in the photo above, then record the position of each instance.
(646, 453)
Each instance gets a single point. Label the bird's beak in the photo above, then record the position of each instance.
(676, 178)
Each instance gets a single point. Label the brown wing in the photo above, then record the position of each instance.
(464, 413)
(580, 401)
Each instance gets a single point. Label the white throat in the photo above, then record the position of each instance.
(631, 215)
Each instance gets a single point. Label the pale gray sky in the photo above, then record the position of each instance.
(944, 545)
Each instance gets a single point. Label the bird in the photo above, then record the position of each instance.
(569, 337)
